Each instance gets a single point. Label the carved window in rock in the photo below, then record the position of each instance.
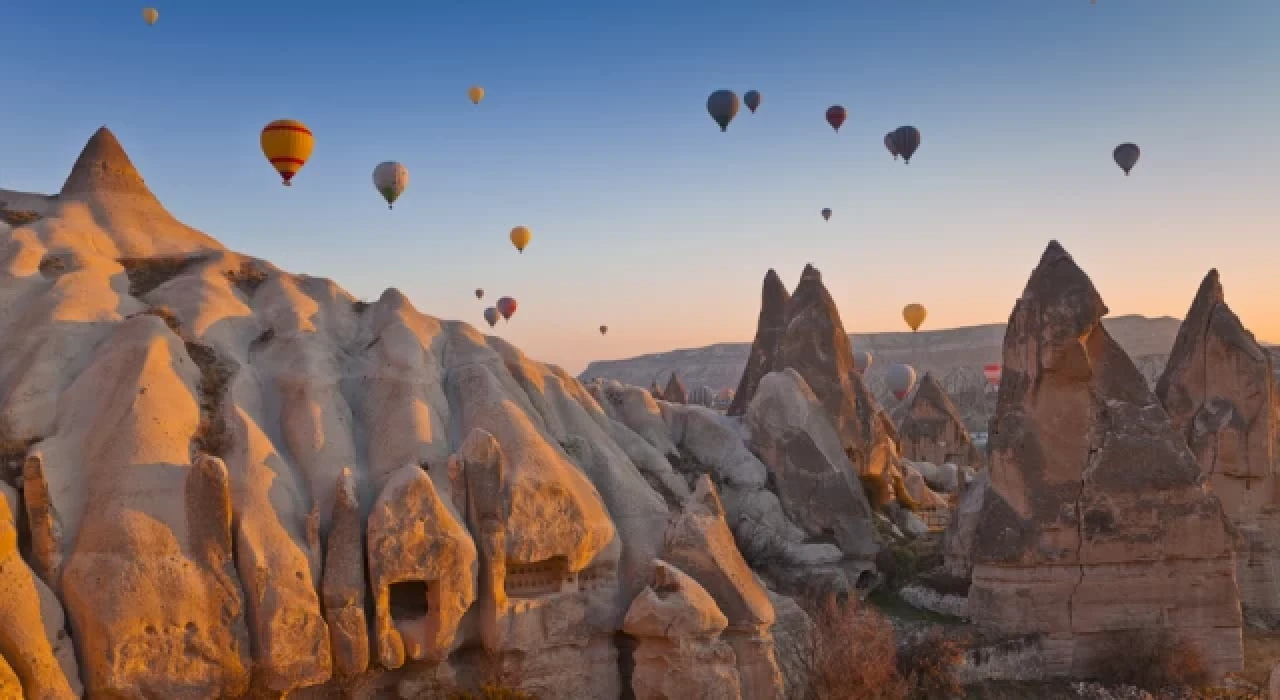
(408, 600)
(597, 576)
(539, 578)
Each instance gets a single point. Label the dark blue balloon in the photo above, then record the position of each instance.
(906, 139)
(722, 105)
(752, 100)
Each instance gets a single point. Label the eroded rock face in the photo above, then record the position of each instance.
(933, 431)
(763, 359)
(815, 481)
(236, 467)
(422, 566)
(957, 541)
(1097, 519)
(35, 651)
(344, 583)
(699, 543)
(679, 654)
(1219, 391)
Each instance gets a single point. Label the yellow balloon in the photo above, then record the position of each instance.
(914, 315)
(520, 237)
(476, 93)
(287, 144)
(150, 15)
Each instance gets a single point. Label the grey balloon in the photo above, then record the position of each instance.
(900, 379)
(1126, 156)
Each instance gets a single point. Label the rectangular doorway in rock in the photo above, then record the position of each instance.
(408, 600)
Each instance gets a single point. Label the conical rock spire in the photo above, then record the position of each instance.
(103, 167)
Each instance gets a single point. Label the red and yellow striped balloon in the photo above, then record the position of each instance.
(287, 143)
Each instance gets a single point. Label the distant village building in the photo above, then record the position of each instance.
(933, 430)
(703, 396)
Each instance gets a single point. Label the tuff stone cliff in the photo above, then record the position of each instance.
(812, 342)
(1097, 518)
(1218, 390)
(239, 480)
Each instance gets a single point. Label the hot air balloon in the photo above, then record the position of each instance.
(826, 214)
(914, 315)
(390, 178)
(491, 315)
(722, 105)
(479, 293)
(287, 144)
(836, 116)
(507, 307)
(906, 139)
(861, 361)
(992, 373)
(1126, 155)
(888, 143)
(752, 100)
(520, 237)
(150, 15)
(901, 378)
(476, 93)
(604, 329)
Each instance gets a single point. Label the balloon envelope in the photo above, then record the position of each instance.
(391, 178)
(888, 143)
(861, 361)
(906, 139)
(1126, 155)
(287, 144)
(476, 93)
(604, 329)
(491, 315)
(900, 379)
(914, 315)
(150, 15)
(992, 373)
(479, 293)
(752, 100)
(826, 214)
(722, 105)
(520, 237)
(507, 307)
(836, 116)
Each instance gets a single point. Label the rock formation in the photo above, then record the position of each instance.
(1219, 391)
(933, 430)
(36, 654)
(680, 654)
(1097, 519)
(698, 541)
(816, 483)
(702, 442)
(763, 359)
(675, 391)
(237, 479)
(812, 341)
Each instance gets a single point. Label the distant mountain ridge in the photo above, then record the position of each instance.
(720, 366)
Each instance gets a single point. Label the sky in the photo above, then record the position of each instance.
(645, 217)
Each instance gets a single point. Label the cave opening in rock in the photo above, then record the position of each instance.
(408, 600)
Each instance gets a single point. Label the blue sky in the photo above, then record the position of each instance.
(645, 217)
